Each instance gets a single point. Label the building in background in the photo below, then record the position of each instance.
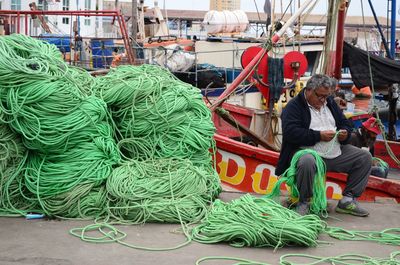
(88, 26)
(221, 5)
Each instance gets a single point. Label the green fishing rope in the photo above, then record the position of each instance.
(71, 145)
(162, 190)
(319, 201)
(394, 259)
(348, 259)
(382, 164)
(152, 191)
(389, 236)
(241, 261)
(157, 115)
(257, 222)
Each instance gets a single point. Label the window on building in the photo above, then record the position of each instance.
(15, 4)
(65, 20)
(65, 5)
(43, 5)
(88, 5)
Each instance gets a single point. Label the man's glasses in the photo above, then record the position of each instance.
(321, 97)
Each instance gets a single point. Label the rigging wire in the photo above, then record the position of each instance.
(382, 127)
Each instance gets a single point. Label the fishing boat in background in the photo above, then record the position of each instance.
(251, 169)
(248, 168)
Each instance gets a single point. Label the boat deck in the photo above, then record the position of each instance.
(46, 242)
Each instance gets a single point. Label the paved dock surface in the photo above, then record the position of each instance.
(47, 242)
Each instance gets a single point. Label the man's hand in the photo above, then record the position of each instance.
(326, 136)
(342, 135)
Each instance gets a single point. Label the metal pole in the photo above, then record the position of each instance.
(339, 39)
(393, 30)
(134, 26)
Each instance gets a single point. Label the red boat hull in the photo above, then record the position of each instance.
(381, 152)
(251, 169)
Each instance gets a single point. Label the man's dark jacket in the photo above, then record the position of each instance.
(296, 119)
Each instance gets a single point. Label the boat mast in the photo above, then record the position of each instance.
(339, 39)
(393, 30)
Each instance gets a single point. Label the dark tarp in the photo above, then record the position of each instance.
(384, 71)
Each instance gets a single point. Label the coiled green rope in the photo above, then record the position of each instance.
(257, 222)
(157, 115)
(162, 190)
(153, 191)
(319, 201)
(382, 164)
(72, 153)
(71, 145)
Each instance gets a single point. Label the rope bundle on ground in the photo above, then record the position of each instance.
(12, 160)
(157, 115)
(155, 190)
(69, 135)
(257, 222)
(71, 145)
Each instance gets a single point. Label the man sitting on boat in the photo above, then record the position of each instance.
(312, 120)
(365, 136)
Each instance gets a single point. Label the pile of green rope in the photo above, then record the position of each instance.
(71, 150)
(156, 114)
(257, 222)
(162, 190)
(158, 118)
(12, 159)
(61, 140)
(319, 201)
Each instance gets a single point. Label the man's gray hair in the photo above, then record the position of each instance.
(317, 81)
